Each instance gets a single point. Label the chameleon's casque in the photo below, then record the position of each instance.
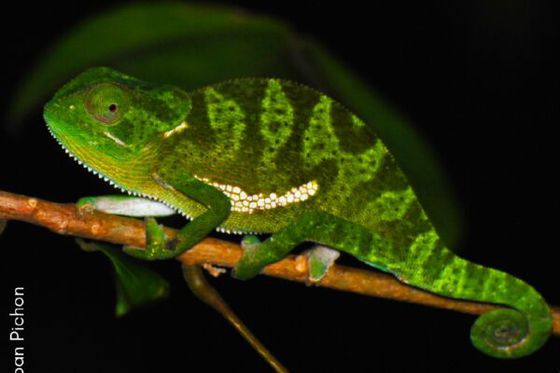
(266, 155)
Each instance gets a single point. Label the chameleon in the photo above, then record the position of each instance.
(255, 156)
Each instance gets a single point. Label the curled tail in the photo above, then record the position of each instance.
(503, 333)
(510, 333)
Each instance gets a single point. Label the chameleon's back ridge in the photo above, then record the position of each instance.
(285, 159)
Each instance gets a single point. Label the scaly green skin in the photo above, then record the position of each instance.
(264, 155)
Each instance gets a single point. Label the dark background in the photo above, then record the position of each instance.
(480, 81)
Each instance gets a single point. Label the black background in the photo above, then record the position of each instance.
(478, 78)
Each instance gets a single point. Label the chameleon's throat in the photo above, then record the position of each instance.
(106, 178)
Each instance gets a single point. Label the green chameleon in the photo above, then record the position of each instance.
(256, 156)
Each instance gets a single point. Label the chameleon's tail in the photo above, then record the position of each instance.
(502, 333)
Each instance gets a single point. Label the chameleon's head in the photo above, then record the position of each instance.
(103, 115)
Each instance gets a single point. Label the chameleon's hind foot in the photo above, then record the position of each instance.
(319, 260)
(157, 246)
(248, 266)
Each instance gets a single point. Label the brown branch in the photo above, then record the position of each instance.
(67, 219)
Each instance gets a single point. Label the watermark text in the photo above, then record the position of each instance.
(16, 332)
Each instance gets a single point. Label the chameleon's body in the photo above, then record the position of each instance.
(270, 156)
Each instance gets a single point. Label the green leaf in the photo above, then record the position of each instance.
(191, 46)
(136, 284)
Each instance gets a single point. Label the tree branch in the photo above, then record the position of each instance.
(67, 219)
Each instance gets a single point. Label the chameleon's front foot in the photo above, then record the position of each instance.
(248, 266)
(157, 246)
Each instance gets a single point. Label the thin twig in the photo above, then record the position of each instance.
(67, 219)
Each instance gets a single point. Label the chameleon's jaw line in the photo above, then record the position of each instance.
(107, 179)
(75, 158)
(100, 175)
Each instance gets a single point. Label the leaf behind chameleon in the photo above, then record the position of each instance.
(136, 284)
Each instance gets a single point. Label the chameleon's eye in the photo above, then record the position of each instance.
(106, 102)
